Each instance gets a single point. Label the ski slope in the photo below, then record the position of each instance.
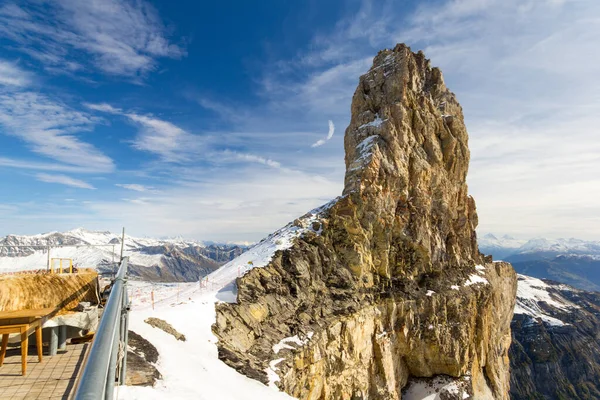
(191, 369)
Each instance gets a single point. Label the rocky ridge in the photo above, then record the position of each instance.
(388, 286)
(555, 351)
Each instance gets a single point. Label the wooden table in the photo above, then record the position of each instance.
(23, 322)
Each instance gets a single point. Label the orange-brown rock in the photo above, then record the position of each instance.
(393, 287)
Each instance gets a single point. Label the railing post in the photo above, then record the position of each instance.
(112, 367)
(124, 336)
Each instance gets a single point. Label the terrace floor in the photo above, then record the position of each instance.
(53, 378)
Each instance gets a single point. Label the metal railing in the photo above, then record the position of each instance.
(106, 364)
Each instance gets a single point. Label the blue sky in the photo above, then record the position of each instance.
(225, 120)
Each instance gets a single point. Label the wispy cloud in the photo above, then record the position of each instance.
(50, 127)
(12, 75)
(232, 205)
(26, 164)
(321, 142)
(117, 37)
(253, 158)
(64, 180)
(163, 138)
(136, 187)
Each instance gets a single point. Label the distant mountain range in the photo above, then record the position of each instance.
(166, 260)
(572, 261)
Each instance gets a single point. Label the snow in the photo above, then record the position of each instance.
(375, 123)
(480, 268)
(364, 152)
(283, 343)
(454, 287)
(531, 292)
(191, 369)
(272, 372)
(430, 293)
(262, 253)
(436, 388)
(89, 249)
(475, 279)
(570, 246)
(505, 242)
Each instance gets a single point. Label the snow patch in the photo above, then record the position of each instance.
(375, 123)
(437, 388)
(261, 254)
(430, 293)
(364, 149)
(272, 372)
(475, 279)
(283, 343)
(531, 292)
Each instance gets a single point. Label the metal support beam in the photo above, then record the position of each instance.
(62, 337)
(53, 341)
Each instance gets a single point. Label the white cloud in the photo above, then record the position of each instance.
(64, 180)
(12, 75)
(119, 37)
(253, 158)
(321, 142)
(240, 205)
(35, 165)
(49, 127)
(103, 107)
(136, 187)
(163, 138)
(512, 65)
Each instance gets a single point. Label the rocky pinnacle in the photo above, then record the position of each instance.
(393, 288)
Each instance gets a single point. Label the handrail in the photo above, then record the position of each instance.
(99, 375)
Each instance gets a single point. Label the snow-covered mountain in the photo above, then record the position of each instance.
(518, 249)
(572, 261)
(555, 351)
(150, 259)
(499, 247)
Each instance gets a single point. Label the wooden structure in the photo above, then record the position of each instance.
(23, 322)
(60, 262)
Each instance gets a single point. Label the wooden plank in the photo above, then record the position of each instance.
(18, 314)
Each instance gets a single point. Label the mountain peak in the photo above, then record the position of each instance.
(404, 227)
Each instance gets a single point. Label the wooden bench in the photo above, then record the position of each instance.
(23, 322)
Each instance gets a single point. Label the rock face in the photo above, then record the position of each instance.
(390, 286)
(555, 353)
(141, 358)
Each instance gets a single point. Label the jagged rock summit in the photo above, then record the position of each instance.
(387, 295)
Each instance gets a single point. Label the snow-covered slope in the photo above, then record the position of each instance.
(192, 369)
(555, 350)
(153, 259)
(507, 246)
(541, 301)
